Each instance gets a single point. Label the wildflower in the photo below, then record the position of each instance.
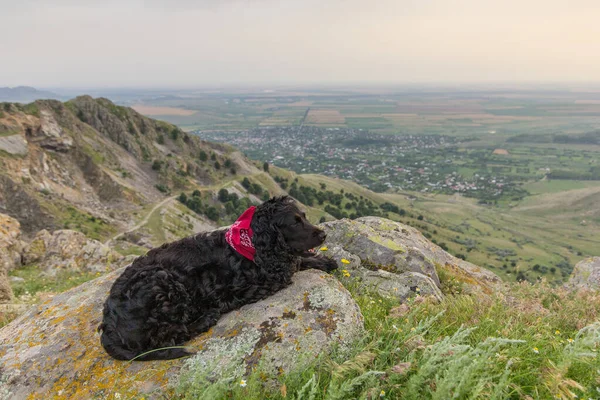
(380, 301)
(557, 332)
(117, 395)
(382, 393)
(570, 340)
(243, 383)
(344, 261)
(395, 327)
(412, 329)
(417, 289)
(395, 289)
(324, 248)
(346, 273)
(536, 350)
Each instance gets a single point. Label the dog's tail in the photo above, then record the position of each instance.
(117, 351)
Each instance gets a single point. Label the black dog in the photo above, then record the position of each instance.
(180, 289)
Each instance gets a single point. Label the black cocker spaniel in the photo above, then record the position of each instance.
(180, 289)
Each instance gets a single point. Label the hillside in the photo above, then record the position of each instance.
(106, 170)
(85, 186)
(90, 165)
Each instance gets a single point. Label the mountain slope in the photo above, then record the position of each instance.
(91, 165)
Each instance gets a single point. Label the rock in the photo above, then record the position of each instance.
(585, 275)
(378, 245)
(70, 250)
(14, 144)
(49, 134)
(10, 253)
(53, 350)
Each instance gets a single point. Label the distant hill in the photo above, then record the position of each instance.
(25, 94)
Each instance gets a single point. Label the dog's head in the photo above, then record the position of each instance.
(281, 218)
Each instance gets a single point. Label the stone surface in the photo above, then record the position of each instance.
(50, 135)
(14, 144)
(69, 250)
(53, 350)
(375, 244)
(585, 275)
(10, 253)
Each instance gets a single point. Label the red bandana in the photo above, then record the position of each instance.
(239, 235)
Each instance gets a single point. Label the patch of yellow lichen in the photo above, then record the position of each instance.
(462, 276)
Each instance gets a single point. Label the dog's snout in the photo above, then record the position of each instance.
(322, 235)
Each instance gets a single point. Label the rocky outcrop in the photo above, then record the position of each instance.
(14, 144)
(397, 259)
(10, 253)
(585, 275)
(69, 250)
(49, 134)
(53, 351)
(19, 204)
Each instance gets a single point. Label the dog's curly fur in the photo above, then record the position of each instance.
(180, 289)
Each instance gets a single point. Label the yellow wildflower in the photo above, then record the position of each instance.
(346, 273)
(382, 393)
(324, 248)
(536, 350)
(557, 332)
(570, 340)
(243, 383)
(344, 261)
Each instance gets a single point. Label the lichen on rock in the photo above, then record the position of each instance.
(395, 259)
(585, 275)
(53, 350)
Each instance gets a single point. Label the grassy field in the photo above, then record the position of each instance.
(395, 110)
(540, 345)
(510, 241)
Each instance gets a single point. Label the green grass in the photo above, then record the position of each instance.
(35, 281)
(531, 345)
(95, 228)
(155, 226)
(555, 186)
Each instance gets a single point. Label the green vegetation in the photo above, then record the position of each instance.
(36, 281)
(537, 346)
(93, 227)
(31, 109)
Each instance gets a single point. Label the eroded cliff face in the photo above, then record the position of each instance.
(11, 247)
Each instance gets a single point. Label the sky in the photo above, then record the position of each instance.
(187, 43)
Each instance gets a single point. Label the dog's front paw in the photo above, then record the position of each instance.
(329, 264)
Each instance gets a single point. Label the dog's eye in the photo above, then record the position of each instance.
(298, 219)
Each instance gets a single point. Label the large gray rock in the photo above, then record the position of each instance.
(69, 250)
(53, 350)
(398, 259)
(586, 275)
(14, 144)
(50, 134)
(10, 253)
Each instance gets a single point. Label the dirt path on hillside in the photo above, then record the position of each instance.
(143, 221)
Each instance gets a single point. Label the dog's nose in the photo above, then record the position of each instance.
(322, 236)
